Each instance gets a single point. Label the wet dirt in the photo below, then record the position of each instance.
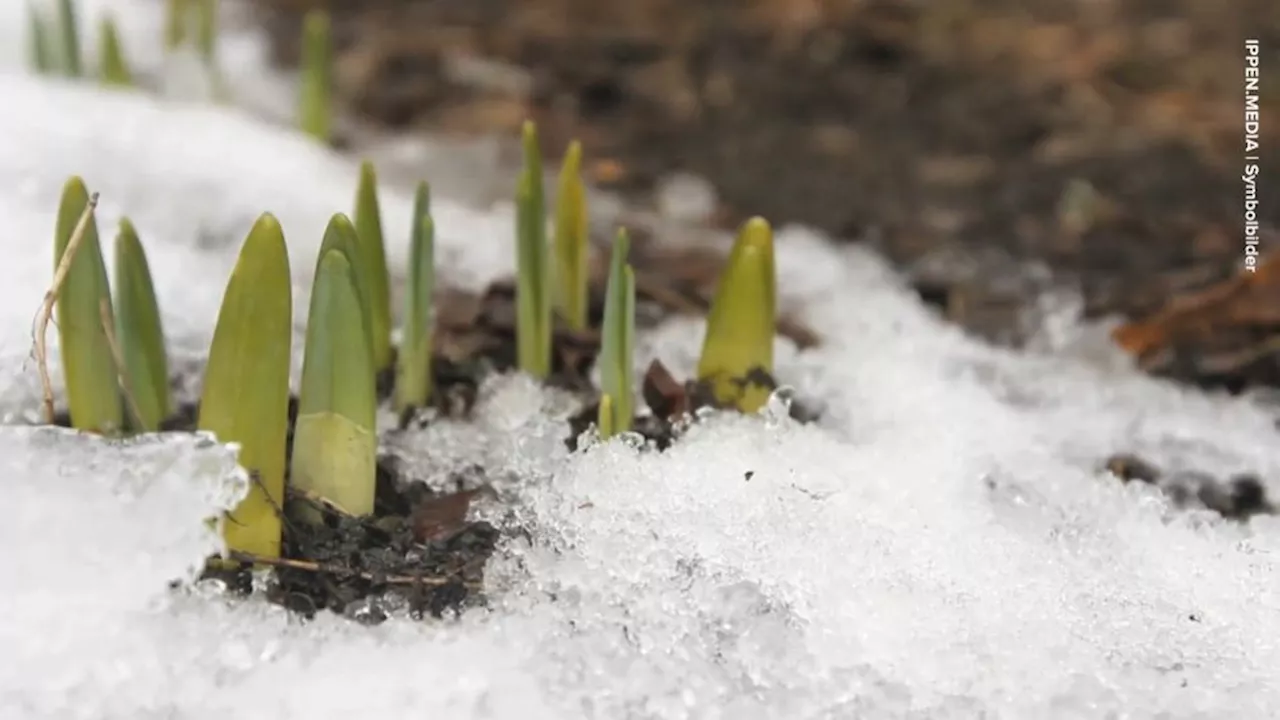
(949, 135)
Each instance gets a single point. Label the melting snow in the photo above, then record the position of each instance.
(941, 545)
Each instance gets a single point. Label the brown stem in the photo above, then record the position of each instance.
(46, 307)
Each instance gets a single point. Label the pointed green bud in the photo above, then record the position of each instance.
(245, 398)
(413, 363)
(533, 306)
(88, 366)
(316, 71)
(335, 440)
(69, 28)
(604, 418)
(39, 43)
(112, 64)
(617, 339)
(373, 264)
(571, 241)
(139, 332)
(740, 325)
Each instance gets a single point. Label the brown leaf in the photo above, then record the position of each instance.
(664, 396)
(1248, 298)
(441, 517)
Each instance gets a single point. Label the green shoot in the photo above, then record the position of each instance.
(111, 63)
(740, 325)
(69, 27)
(246, 383)
(140, 333)
(316, 76)
(39, 42)
(373, 264)
(533, 307)
(571, 241)
(88, 366)
(413, 366)
(617, 340)
(335, 440)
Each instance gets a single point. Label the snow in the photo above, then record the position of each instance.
(943, 544)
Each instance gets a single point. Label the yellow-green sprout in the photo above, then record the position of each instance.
(140, 333)
(533, 297)
(413, 363)
(245, 399)
(335, 440)
(740, 325)
(571, 241)
(617, 338)
(372, 263)
(88, 365)
(316, 76)
(112, 65)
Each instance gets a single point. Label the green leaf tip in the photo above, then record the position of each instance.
(617, 341)
(740, 324)
(335, 441)
(88, 364)
(111, 63)
(571, 240)
(316, 76)
(139, 332)
(533, 293)
(245, 398)
(413, 362)
(373, 265)
(69, 29)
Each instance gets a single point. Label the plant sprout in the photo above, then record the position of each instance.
(246, 384)
(140, 333)
(43, 61)
(69, 29)
(372, 263)
(413, 367)
(335, 439)
(618, 338)
(316, 76)
(112, 65)
(740, 325)
(533, 306)
(571, 241)
(88, 365)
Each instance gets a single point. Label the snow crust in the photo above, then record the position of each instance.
(942, 545)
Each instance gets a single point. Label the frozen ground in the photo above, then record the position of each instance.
(942, 545)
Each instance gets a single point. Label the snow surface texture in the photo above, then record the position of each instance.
(941, 545)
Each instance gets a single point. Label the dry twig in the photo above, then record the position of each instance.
(108, 327)
(50, 298)
(328, 569)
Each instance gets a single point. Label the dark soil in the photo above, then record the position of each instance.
(419, 550)
(947, 134)
(1238, 497)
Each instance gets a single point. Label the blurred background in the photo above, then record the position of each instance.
(991, 150)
